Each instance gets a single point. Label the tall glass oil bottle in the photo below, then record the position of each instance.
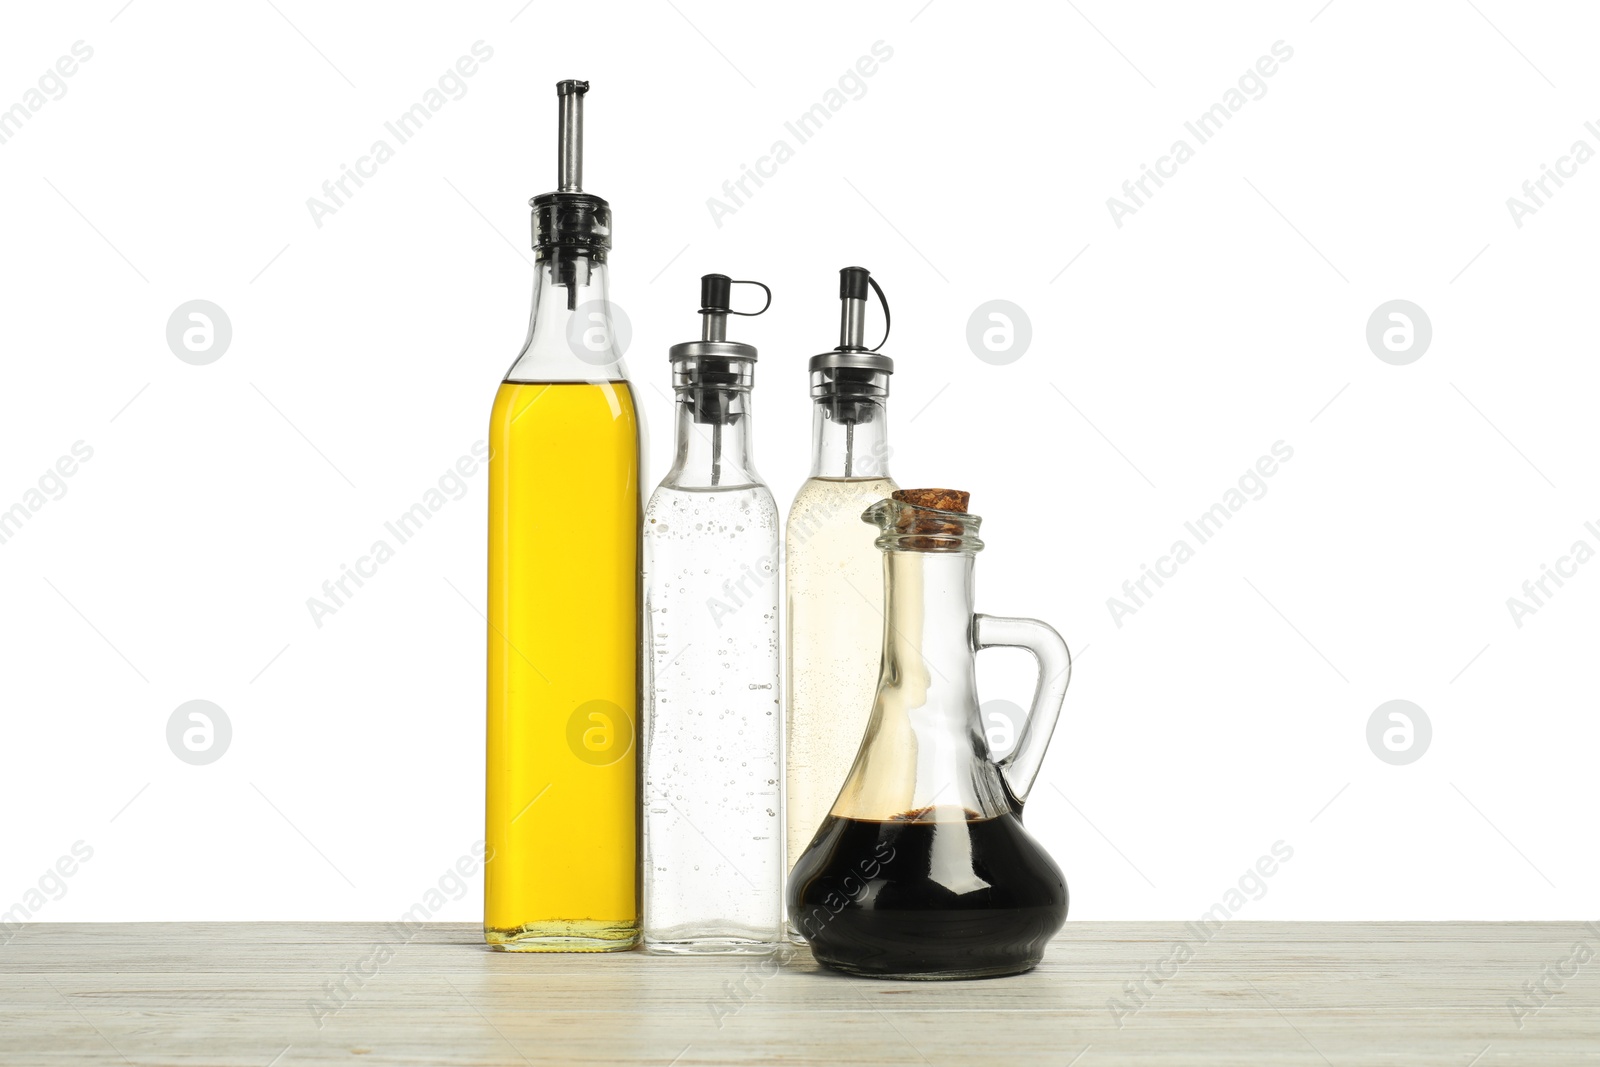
(835, 574)
(564, 511)
(713, 713)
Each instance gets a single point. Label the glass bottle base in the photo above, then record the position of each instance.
(711, 946)
(587, 935)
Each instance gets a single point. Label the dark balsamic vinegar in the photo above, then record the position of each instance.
(915, 898)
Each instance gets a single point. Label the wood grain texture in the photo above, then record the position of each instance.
(260, 994)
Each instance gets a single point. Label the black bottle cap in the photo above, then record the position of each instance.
(716, 292)
(853, 283)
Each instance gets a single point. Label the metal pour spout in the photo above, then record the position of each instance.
(570, 136)
(853, 309)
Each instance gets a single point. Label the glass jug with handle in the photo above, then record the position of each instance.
(922, 868)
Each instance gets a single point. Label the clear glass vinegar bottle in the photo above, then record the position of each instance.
(834, 572)
(713, 723)
(561, 872)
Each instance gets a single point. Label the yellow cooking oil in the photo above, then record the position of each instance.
(564, 501)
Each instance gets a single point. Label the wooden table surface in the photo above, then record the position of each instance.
(285, 994)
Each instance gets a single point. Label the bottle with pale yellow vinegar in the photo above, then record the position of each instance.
(561, 873)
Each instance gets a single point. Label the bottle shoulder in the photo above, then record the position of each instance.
(569, 366)
(818, 494)
(558, 401)
(733, 511)
(753, 488)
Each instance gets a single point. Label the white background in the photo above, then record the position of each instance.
(1227, 314)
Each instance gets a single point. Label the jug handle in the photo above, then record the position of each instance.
(1055, 672)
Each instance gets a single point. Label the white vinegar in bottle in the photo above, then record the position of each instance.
(834, 571)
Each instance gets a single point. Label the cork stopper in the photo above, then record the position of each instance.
(943, 499)
(926, 520)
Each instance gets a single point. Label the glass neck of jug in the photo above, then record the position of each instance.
(571, 334)
(927, 637)
(924, 757)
